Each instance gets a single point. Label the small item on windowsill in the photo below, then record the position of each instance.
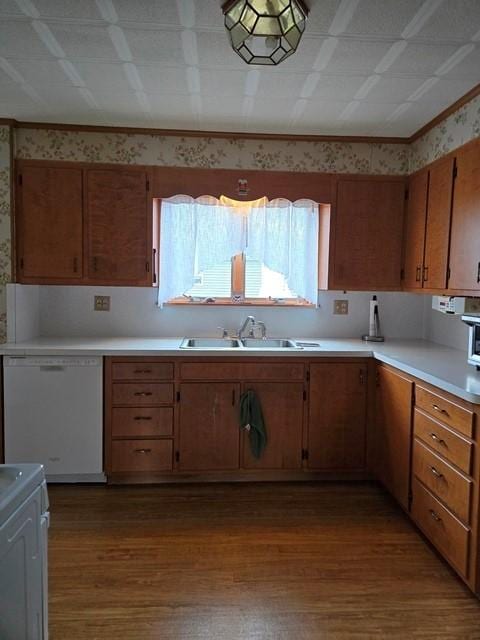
(277, 300)
(209, 300)
(237, 299)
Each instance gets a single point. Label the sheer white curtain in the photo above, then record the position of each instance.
(284, 236)
(195, 234)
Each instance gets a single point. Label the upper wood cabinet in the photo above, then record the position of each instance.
(337, 416)
(427, 226)
(49, 223)
(79, 225)
(465, 234)
(118, 226)
(415, 223)
(393, 432)
(367, 234)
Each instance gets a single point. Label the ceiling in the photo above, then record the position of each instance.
(363, 67)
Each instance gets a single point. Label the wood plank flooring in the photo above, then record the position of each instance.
(247, 562)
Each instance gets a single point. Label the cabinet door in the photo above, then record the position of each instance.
(119, 227)
(438, 224)
(368, 234)
(414, 238)
(465, 235)
(337, 416)
(49, 223)
(394, 433)
(282, 407)
(209, 437)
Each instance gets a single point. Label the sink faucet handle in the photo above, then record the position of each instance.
(263, 328)
(224, 332)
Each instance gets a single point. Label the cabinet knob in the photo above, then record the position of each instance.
(142, 417)
(436, 439)
(142, 393)
(425, 274)
(436, 473)
(435, 515)
(439, 409)
(143, 451)
(418, 274)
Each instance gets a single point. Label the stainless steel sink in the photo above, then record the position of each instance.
(269, 343)
(210, 343)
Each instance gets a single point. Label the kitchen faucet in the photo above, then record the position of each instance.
(248, 320)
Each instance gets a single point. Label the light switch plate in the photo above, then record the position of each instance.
(101, 303)
(340, 307)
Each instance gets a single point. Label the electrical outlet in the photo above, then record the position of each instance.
(340, 307)
(101, 303)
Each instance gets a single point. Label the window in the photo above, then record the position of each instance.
(229, 252)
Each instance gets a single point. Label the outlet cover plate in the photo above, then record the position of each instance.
(340, 307)
(101, 303)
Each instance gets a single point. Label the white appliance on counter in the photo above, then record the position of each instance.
(53, 415)
(24, 521)
(473, 323)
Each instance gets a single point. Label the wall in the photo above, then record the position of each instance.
(5, 243)
(446, 329)
(335, 157)
(68, 311)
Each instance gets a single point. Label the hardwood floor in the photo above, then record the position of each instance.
(246, 562)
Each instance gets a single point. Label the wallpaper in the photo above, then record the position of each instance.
(5, 271)
(460, 127)
(271, 155)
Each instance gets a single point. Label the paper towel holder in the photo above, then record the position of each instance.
(373, 334)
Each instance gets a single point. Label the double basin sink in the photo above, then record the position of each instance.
(237, 343)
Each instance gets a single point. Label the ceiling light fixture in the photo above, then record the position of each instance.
(265, 31)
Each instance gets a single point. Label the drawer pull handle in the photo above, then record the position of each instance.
(142, 371)
(436, 473)
(437, 408)
(143, 418)
(142, 393)
(438, 440)
(435, 516)
(143, 451)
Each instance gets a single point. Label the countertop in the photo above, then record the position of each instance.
(441, 366)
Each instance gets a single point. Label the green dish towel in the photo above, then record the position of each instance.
(251, 419)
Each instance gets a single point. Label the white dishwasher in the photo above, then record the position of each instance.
(53, 415)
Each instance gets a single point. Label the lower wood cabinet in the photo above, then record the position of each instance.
(393, 432)
(282, 406)
(337, 416)
(209, 434)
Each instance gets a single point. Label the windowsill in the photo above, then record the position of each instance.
(252, 302)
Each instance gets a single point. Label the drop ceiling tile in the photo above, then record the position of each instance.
(103, 76)
(281, 85)
(63, 98)
(10, 91)
(19, 39)
(371, 113)
(40, 72)
(215, 51)
(10, 8)
(454, 19)
(323, 112)
(161, 11)
(357, 56)
(302, 60)
(209, 14)
(165, 105)
(84, 41)
(393, 89)
(71, 9)
(223, 83)
(382, 17)
(421, 59)
(155, 45)
(469, 67)
(117, 100)
(159, 79)
(343, 87)
(321, 16)
(447, 91)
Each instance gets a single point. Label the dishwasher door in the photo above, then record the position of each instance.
(53, 415)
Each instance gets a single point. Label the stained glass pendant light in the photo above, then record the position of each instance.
(265, 31)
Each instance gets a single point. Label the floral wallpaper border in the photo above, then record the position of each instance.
(211, 153)
(5, 239)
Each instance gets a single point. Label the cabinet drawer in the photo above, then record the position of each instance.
(444, 441)
(445, 410)
(143, 422)
(241, 371)
(142, 393)
(142, 371)
(441, 527)
(141, 455)
(447, 484)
